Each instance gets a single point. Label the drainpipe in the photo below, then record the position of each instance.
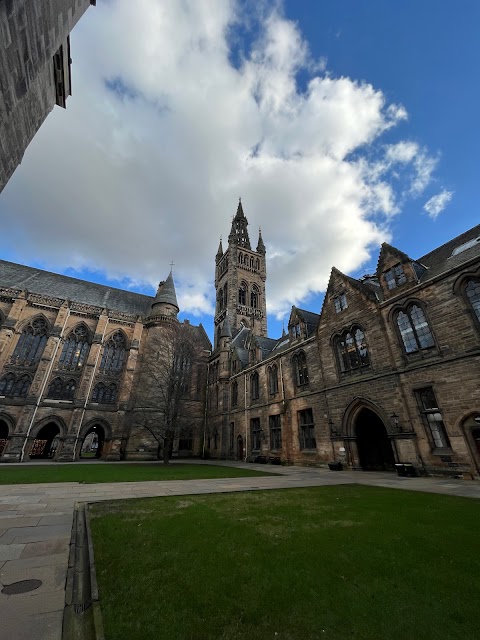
(246, 420)
(89, 391)
(205, 413)
(45, 379)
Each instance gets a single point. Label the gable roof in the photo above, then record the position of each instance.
(18, 276)
(441, 259)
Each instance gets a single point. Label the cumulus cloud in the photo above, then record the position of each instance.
(170, 122)
(437, 203)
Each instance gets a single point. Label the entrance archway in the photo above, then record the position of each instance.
(46, 443)
(374, 447)
(239, 448)
(93, 443)
(3, 435)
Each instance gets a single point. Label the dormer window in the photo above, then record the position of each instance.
(395, 276)
(340, 302)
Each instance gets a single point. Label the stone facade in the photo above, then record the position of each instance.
(70, 365)
(387, 373)
(34, 70)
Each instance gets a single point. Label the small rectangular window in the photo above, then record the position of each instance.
(306, 429)
(275, 433)
(433, 418)
(395, 276)
(340, 302)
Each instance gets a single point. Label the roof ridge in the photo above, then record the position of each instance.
(456, 238)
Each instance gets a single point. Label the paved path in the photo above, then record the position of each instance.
(36, 522)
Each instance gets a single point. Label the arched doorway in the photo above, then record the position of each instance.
(46, 443)
(3, 435)
(373, 444)
(93, 443)
(239, 448)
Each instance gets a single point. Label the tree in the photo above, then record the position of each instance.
(167, 403)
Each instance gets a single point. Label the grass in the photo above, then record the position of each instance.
(344, 562)
(113, 472)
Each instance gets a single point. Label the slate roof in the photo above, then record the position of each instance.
(166, 292)
(17, 276)
(441, 260)
(311, 319)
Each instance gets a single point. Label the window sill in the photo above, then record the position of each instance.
(309, 451)
(443, 451)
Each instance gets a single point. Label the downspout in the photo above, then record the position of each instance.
(284, 406)
(87, 396)
(205, 412)
(246, 421)
(45, 379)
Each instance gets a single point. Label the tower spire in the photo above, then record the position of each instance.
(260, 245)
(239, 233)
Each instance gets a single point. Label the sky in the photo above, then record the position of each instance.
(341, 125)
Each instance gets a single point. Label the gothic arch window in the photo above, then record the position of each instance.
(225, 295)
(252, 262)
(234, 393)
(254, 386)
(300, 369)
(414, 329)
(257, 264)
(273, 380)
(15, 387)
(351, 350)
(76, 348)
(31, 343)
(242, 294)
(220, 299)
(114, 354)
(254, 297)
(105, 393)
(240, 258)
(61, 389)
(472, 292)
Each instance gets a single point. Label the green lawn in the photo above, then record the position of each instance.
(114, 472)
(345, 562)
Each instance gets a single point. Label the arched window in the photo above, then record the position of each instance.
(273, 380)
(240, 258)
(61, 389)
(300, 369)
(15, 387)
(220, 299)
(257, 264)
(75, 349)
(252, 262)
(105, 393)
(242, 294)
(352, 350)
(225, 296)
(31, 343)
(254, 386)
(254, 297)
(414, 329)
(472, 291)
(114, 354)
(234, 393)
(21, 386)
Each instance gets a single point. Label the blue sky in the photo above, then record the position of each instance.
(337, 122)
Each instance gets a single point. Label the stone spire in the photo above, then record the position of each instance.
(165, 302)
(260, 245)
(239, 233)
(220, 251)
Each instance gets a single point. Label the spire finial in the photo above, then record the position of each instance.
(171, 266)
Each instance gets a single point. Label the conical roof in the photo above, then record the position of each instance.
(226, 332)
(166, 293)
(220, 250)
(239, 233)
(239, 213)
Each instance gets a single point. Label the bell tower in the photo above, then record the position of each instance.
(240, 275)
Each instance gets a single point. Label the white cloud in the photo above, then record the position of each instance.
(164, 132)
(437, 203)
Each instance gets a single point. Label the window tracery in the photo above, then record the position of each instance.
(414, 329)
(300, 369)
(472, 291)
(114, 352)
(351, 349)
(273, 380)
(61, 389)
(31, 343)
(13, 386)
(105, 393)
(75, 350)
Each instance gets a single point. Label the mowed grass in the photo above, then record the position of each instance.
(332, 562)
(117, 472)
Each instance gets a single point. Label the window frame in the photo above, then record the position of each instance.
(406, 310)
(340, 302)
(301, 378)
(254, 386)
(256, 434)
(307, 441)
(275, 431)
(395, 276)
(438, 435)
(343, 359)
(234, 394)
(273, 380)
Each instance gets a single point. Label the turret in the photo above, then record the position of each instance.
(165, 302)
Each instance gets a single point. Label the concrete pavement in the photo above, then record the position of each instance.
(36, 524)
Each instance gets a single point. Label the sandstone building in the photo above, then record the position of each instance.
(387, 373)
(35, 70)
(73, 357)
